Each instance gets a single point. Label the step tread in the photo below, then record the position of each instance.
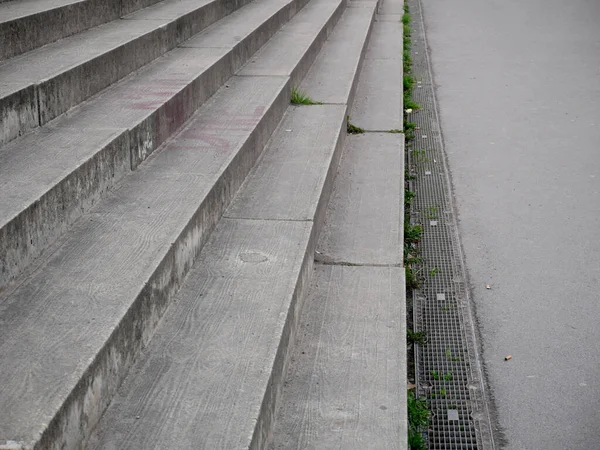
(364, 222)
(52, 153)
(257, 199)
(379, 105)
(201, 382)
(166, 10)
(88, 285)
(232, 29)
(297, 162)
(52, 59)
(278, 56)
(346, 384)
(332, 77)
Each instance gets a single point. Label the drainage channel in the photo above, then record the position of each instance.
(447, 369)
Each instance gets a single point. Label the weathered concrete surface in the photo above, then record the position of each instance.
(25, 25)
(379, 105)
(244, 294)
(297, 167)
(103, 291)
(125, 125)
(296, 41)
(248, 28)
(19, 110)
(71, 70)
(346, 385)
(47, 181)
(221, 348)
(364, 221)
(391, 8)
(519, 92)
(333, 76)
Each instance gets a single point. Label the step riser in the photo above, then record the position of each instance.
(265, 423)
(268, 410)
(145, 138)
(30, 32)
(58, 95)
(25, 237)
(150, 134)
(328, 187)
(19, 113)
(93, 393)
(55, 96)
(129, 6)
(360, 66)
(309, 57)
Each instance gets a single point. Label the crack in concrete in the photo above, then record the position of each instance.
(327, 261)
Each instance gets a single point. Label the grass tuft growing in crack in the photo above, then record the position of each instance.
(300, 98)
(353, 129)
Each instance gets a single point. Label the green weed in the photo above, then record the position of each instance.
(411, 104)
(353, 129)
(416, 337)
(419, 156)
(300, 98)
(418, 420)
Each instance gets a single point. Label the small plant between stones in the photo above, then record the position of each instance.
(353, 129)
(301, 98)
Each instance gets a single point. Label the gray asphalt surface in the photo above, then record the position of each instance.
(518, 86)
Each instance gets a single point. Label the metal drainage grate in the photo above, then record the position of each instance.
(447, 370)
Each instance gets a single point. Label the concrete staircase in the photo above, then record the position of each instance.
(161, 206)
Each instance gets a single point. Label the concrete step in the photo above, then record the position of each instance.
(210, 377)
(346, 383)
(365, 218)
(212, 374)
(341, 59)
(103, 291)
(54, 174)
(379, 105)
(71, 330)
(42, 84)
(29, 24)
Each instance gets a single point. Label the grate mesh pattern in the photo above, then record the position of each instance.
(447, 368)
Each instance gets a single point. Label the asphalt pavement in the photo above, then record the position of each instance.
(518, 89)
